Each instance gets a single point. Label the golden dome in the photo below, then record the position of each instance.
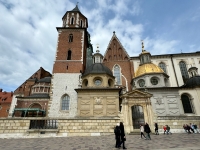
(148, 68)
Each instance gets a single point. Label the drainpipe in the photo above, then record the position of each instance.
(174, 70)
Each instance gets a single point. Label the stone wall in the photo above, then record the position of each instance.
(19, 127)
(176, 122)
(13, 126)
(87, 127)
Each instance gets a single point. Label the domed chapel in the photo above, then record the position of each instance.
(89, 92)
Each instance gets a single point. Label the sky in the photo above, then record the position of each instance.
(28, 35)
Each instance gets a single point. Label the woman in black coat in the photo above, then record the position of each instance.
(147, 130)
(123, 137)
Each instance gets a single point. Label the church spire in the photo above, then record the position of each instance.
(143, 46)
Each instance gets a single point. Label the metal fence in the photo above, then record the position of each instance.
(43, 124)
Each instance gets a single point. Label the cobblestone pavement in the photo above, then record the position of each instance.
(158, 142)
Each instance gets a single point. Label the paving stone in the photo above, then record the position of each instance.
(158, 142)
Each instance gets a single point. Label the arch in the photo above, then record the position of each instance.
(65, 100)
(69, 54)
(35, 105)
(117, 74)
(70, 38)
(137, 116)
(184, 71)
(187, 104)
(162, 65)
(85, 83)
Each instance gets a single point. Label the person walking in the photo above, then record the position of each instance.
(117, 135)
(142, 131)
(123, 137)
(165, 129)
(147, 130)
(156, 128)
(168, 129)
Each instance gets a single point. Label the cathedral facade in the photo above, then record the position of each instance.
(85, 85)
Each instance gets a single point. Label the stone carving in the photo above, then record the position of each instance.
(98, 100)
(158, 100)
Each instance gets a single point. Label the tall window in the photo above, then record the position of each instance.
(71, 38)
(162, 66)
(117, 74)
(69, 54)
(65, 102)
(72, 20)
(184, 71)
(81, 23)
(186, 104)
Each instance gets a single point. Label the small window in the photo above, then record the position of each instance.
(69, 55)
(141, 83)
(65, 102)
(154, 81)
(71, 38)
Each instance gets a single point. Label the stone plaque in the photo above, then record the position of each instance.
(98, 106)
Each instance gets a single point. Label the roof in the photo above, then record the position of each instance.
(97, 68)
(192, 82)
(6, 97)
(148, 68)
(46, 79)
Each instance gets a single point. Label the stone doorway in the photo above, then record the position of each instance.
(137, 116)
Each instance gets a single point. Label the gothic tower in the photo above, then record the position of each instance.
(70, 62)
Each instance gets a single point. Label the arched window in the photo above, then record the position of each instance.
(72, 20)
(162, 66)
(117, 74)
(186, 104)
(69, 54)
(70, 38)
(65, 103)
(184, 71)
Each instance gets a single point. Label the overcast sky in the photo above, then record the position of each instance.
(28, 34)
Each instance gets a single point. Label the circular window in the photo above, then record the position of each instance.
(141, 83)
(97, 82)
(154, 81)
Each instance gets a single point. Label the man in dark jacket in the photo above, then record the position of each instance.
(156, 128)
(117, 135)
(123, 137)
(147, 130)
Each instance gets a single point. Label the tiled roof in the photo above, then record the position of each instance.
(6, 97)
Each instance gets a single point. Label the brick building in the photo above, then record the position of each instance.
(5, 102)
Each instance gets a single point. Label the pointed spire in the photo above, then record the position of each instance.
(97, 48)
(142, 46)
(76, 8)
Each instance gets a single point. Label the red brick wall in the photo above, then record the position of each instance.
(4, 108)
(77, 63)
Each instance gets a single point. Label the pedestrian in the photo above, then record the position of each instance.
(156, 128)
(123, 137)
(142, 131)
(165, 129)
(195, 128)
(117, 135)
(147, 130)
(192, 127)
(168, 129)
(185, 128)
(188, 128)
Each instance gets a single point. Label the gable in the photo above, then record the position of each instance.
(136, 94)
(115, 51)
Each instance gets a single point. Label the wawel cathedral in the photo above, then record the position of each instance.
(87, 93)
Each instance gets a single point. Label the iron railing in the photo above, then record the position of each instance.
(43, 124)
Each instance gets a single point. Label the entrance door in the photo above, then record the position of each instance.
(137, 116)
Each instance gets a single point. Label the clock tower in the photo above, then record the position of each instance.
(70, 62)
